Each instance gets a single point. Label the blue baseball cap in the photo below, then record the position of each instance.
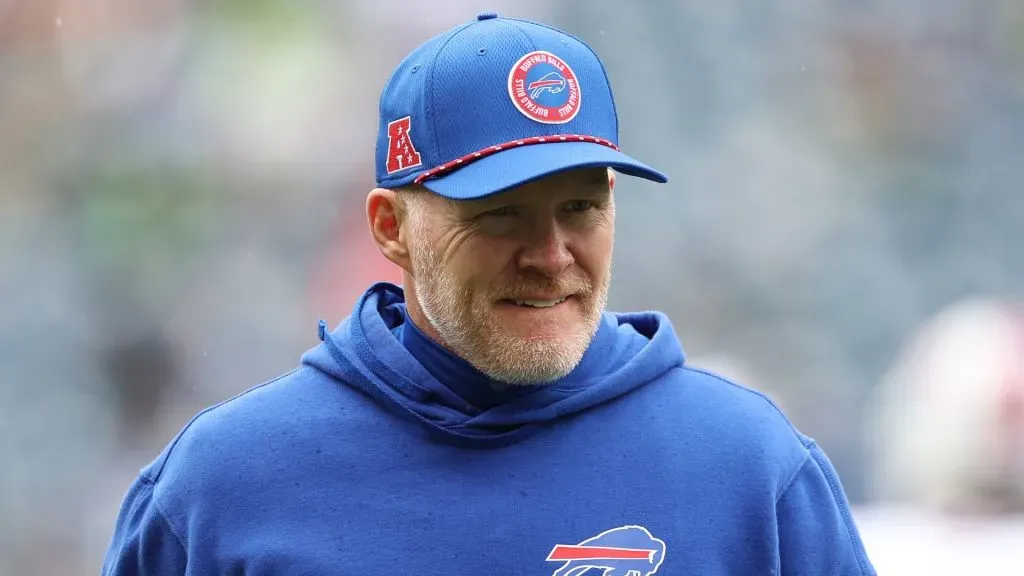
(494, 104)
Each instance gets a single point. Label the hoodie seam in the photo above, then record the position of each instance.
(167, 520)
(150, 487)
(836, 491)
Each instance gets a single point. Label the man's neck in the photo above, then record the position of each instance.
(415, 313)
(453, 372)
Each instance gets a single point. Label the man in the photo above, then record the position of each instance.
(492, 418)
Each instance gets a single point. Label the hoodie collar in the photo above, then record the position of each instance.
(629, 351)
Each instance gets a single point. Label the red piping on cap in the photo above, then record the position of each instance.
(474, 156)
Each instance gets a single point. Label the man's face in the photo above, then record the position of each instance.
(516, 283)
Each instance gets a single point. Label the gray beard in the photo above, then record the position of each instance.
(470, 332)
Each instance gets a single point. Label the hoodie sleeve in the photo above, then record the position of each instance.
(817, 535)
(143, 542)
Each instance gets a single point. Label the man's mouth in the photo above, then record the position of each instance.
(537, 302)
(541, 303)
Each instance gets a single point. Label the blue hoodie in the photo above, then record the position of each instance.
(360, 461)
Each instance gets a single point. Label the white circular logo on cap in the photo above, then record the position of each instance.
(544, 88)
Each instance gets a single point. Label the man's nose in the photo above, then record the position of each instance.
(546, 250)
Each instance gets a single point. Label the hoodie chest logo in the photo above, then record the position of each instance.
(622, 551)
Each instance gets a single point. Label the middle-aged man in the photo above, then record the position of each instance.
(490, 417)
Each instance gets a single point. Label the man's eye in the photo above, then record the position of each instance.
(498, 212)
(579, 206)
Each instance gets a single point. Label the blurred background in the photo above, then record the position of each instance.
(181, 199)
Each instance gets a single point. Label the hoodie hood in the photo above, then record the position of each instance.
(628, 351)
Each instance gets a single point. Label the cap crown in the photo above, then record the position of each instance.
(490, 82)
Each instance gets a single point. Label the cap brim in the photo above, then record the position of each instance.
(517, 166)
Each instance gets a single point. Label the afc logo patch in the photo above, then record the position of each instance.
(544, 88)
(622, 551)
(402, 153)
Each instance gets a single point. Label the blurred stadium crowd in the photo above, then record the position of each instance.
(181, 199)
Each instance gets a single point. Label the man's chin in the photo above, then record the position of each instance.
(538, 371)
(534, 358)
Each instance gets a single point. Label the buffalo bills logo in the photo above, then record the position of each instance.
(544, 88)
(552, 82)
(623, 551)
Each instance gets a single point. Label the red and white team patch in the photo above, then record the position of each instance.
(402, 153)
(624, 551)
(544, 88)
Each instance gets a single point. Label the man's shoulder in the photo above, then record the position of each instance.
(248, 429)
(729, 397)
(735, 419)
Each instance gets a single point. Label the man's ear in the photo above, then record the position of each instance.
(387, 216)
(611, 179)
